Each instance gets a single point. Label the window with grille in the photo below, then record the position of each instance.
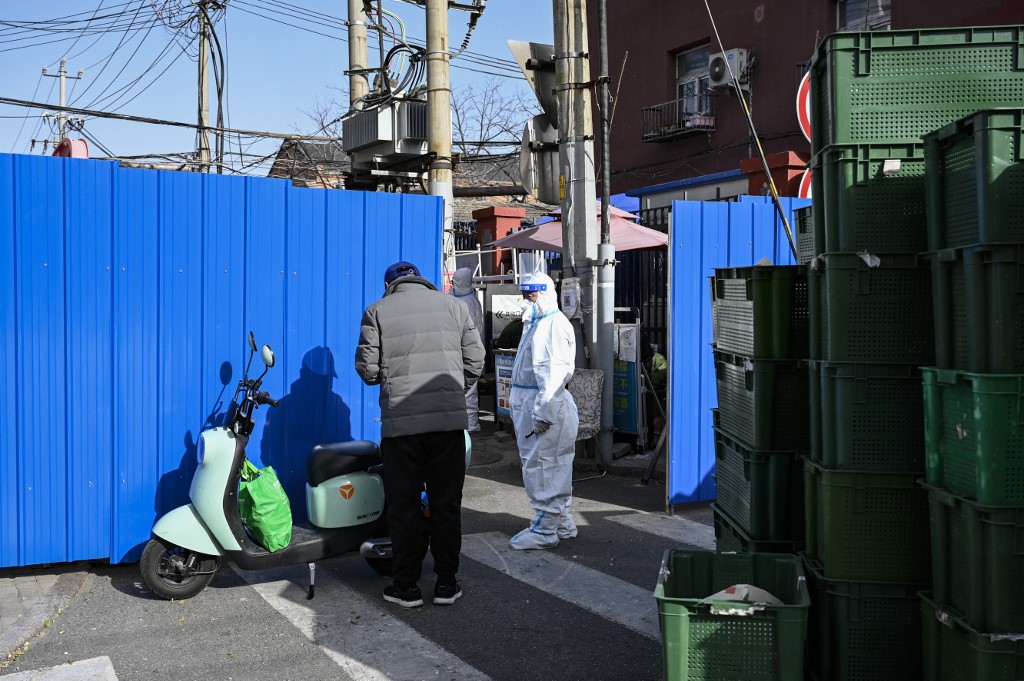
(692, 82)
(864, 15)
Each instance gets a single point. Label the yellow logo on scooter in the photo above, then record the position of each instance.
(347, 491)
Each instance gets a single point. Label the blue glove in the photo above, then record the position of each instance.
(540, 426)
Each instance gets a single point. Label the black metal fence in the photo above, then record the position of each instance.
(641, 281)
(465, 235)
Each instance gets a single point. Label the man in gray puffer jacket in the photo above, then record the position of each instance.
(424, 351)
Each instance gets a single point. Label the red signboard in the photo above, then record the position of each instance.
(803, 105)
(804, 192)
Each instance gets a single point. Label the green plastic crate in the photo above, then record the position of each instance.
(803, 221)
(978, 297)
(871, 308)
(895, 86)
(862, 631)
(955, 651)
(867, 416)
(700, 642)
(729, 538)
(975, 180)
(761, 311)
(761, 490)
(867, 526)
(869, 197)
(974, 434)
(763, 402)
(978, 561)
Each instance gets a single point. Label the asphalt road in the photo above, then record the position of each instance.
(583, 610)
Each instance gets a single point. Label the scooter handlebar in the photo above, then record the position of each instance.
(265, 398)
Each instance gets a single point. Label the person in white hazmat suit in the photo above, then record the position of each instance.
(462, 289)
(544, 414)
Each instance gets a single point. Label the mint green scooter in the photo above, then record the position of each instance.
(344, 498)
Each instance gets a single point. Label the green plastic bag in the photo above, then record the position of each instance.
(264, 507)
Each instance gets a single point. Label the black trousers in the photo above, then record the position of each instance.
(437, 462)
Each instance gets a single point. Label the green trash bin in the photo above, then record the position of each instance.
(724, 640)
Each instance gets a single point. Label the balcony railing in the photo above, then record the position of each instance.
(678, 118)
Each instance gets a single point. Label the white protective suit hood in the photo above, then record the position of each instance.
(547, 300)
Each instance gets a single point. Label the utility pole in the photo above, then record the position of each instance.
(605, 254)
(579, 220)
(439, 124)
(204, 91)
(62, 117)
(358, 85)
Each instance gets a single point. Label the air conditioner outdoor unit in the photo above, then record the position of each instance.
(719, 66)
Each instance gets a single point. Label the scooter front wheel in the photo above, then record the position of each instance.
(174, 572)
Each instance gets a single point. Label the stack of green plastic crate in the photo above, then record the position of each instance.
(973, 622)
(760, 342)
(873, 96)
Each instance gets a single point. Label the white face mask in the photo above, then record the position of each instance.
(526, 309)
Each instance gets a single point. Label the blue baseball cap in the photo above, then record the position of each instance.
(400, 269)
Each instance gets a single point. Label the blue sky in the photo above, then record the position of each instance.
(275, 71)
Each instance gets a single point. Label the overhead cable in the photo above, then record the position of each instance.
(157, 121)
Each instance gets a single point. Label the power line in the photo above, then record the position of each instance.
(159, 121)
(116, 48)
(72, 46)
(59, 20)
(22, 128)
(39, 125)
(128, 61)
(330, 22)
(114, 106)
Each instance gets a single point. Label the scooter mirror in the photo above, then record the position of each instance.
(268, 356)
(252, 341)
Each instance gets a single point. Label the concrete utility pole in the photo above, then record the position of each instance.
(579, 219)
(62, 117)
(358, 85)
(605, 253)
(204, 92)
(439, 124)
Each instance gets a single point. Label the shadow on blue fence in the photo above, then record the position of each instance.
(311, 413)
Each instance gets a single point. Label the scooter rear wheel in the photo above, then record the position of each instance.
(174, 572)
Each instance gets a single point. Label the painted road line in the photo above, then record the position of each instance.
(93, 669)
(349, 628)
(613, 599)
(678, 530)
(513, 500)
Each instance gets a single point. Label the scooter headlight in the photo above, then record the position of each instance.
(201, 450)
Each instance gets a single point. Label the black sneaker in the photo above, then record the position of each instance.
(446, 592)
(407, 596)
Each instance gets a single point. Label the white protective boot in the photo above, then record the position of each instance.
(567, 527)
(541, 534)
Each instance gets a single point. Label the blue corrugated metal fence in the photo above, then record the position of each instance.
(706, 235)
(125, 300)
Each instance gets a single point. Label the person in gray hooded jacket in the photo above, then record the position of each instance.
(424, 351)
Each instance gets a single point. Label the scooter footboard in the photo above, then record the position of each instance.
(183, 527)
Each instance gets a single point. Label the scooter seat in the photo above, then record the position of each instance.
(339, 458)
